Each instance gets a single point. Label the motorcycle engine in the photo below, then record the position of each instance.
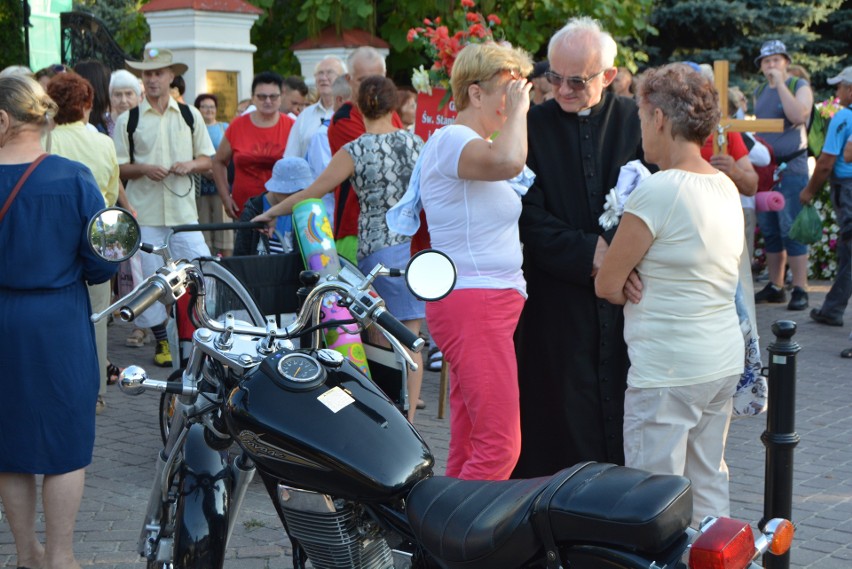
(335, 534)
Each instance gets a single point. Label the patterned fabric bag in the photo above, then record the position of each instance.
(752, 390)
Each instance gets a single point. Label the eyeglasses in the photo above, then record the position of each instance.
(325, 73)
(264, 97)
(576, 83)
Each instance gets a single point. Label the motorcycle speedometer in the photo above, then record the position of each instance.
(300, 371)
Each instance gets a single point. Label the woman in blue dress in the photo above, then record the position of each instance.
(48, 363)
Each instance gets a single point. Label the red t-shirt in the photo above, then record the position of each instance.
(347, 125)
(255, 152)
(736, 147)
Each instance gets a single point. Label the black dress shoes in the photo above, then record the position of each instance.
(818, 316)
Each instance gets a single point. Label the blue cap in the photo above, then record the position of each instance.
(290, 175)
(772, 47)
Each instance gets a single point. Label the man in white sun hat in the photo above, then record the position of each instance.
(159, 144)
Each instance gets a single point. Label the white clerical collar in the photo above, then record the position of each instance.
(584, 113)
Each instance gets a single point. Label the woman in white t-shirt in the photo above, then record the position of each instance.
(472, 213)
(682, 234)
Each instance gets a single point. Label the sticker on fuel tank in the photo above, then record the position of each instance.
(335, 399)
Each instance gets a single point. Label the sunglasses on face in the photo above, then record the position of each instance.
(265, 97)
(576, 83)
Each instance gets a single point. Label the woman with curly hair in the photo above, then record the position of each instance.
(674, 264)
(72, 139)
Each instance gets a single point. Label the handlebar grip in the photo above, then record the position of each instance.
(147, 295)
(398, 330)
(218, 226)
(174, 387)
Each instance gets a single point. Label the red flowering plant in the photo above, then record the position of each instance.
(443, 46)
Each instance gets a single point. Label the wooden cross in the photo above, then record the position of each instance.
(720, 140)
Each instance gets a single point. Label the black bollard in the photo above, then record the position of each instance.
(780, 437)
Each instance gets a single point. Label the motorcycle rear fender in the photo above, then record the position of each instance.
(201, 521)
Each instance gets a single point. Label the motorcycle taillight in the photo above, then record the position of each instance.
(724, 544)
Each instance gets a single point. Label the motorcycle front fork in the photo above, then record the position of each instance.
(160, 508)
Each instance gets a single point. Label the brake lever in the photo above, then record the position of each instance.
(400, 349)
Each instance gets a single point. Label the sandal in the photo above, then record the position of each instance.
(434, 360)
(112, 373)
(847, 353)
(136, 339)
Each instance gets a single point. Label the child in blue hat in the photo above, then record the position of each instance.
(289, 175)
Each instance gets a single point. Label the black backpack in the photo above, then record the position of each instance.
(133, 122)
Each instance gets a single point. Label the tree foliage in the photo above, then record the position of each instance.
(275, 31)
(706, 30)
(124, 21)
(818, 33)
(527, 23)
(11, 33)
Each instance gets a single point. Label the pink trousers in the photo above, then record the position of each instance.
(474, 329)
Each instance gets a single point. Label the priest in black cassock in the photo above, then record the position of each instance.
(572, 359)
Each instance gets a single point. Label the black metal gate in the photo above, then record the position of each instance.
(85, 37)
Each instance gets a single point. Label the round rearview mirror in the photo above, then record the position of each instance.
(131, 380)
(113, 234)
(430, 275)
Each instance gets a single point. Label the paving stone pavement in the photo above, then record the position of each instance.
(118, 481)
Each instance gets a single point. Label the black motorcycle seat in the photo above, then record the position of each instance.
(615, 505)
(486, 525)
(473, 524)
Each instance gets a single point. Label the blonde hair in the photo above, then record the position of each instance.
(25, 100)
(479, 62)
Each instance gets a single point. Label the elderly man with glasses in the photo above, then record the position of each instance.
(572, 360)
(315, 116)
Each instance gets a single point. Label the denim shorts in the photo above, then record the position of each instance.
(775, 225)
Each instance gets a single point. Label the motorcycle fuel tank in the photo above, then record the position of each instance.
(327, 429)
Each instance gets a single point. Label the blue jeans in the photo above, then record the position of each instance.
(775, 225)
(838, 297)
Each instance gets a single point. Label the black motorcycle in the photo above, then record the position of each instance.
(351, 478)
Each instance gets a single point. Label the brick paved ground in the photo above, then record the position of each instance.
(118, 480)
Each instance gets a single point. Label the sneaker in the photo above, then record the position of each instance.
(100, 405)
(163, 355)
(770, 293)
(818, 316)
(798, 299)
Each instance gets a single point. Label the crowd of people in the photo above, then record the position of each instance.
(567, 339)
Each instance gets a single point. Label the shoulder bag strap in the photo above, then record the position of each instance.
(20, 183)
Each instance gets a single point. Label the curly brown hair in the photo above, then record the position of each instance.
(73, 94)
(685, 96)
